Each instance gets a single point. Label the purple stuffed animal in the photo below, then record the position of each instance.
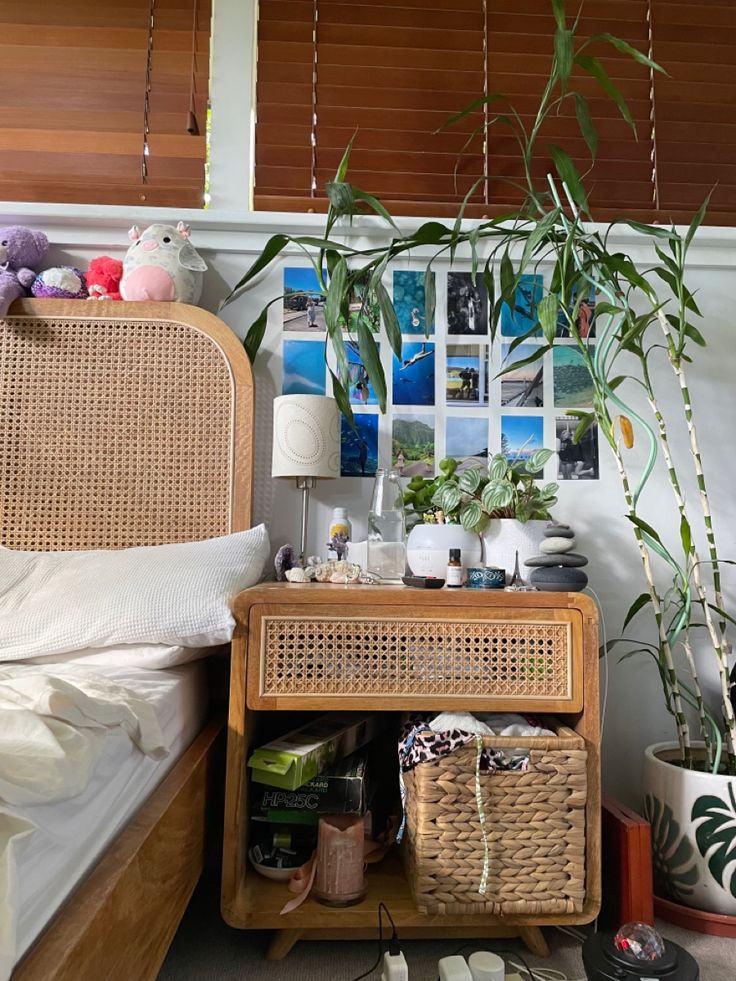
(20, 249)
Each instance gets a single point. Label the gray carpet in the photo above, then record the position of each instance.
(205, 949)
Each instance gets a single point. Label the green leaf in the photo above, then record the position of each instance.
(497, 494)
(336, 296)
(390, 320)
(375, 205)
(716, 835)
(483, 100)
(563, 56)
(430, 300)
(341, 197)
(498, 466)
(254, 337)
(430, 233)
(537, 461)
(697, 220)
(469, 480)
(342, 167)
(639, 603)
(585, 122)
(448, 497)
(568, 173)
(686, 535)
(547, 313)
(270, 250)
(643, 526)
(657, 231)
(694, 334)
(593, 67)
(538, 353)
(586, 421)
(508, 280)
(490, 286)
(625, 48)
(341, 397)
(558, 9)
(372, 362)
(471, 515)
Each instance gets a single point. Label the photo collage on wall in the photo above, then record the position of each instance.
(446, 394)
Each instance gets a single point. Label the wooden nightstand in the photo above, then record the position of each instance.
(320, 647)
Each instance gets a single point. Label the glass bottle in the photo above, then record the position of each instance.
(387, 528)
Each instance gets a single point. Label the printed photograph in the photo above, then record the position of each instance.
(304, 368)
(466, 438)
(467, 305)
(521, 436)
(584, 321)
(520, 320)
(412, 445)
(413, 375)
(573, 384)
(522, 388)
(364, 306)
(466, 380)
(361, 391)
(359, 446)
(304, 305)
(576, 461)
(409, 301)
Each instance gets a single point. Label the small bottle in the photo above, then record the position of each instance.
(454, 577)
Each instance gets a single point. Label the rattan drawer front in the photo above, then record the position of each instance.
(503, 659)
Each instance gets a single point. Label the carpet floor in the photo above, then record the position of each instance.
(206, 949)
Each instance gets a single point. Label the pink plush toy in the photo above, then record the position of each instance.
(103, 278)
(20, 249)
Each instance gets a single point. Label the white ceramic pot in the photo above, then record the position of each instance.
(693, 819)
(505, 536)
(428, 548)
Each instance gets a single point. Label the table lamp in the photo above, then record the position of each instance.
(306, 445)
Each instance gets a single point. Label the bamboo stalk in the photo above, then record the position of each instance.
(702, 720)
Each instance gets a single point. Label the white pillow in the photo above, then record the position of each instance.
(55, 602)
(152, 657)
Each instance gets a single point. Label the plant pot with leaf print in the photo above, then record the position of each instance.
(503, 504)
(693, 819)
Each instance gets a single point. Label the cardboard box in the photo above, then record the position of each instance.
(344, 788)
(298, 756)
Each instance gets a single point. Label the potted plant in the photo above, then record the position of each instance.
(642, 314)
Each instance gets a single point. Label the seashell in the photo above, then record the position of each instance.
(297, 574)
(314, 560)
(323, 572)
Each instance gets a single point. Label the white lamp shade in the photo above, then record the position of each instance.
(306, 436)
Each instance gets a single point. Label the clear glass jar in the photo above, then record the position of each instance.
(387, 528)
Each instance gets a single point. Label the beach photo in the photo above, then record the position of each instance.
(523, 387)
(467, 305)
(576, 461)
(303, 303)
(359, 446)
(412, 445)
(466, 439)
(409, 301)
(361, 390)
(519, 321)
(304, 368)
(573, 384)
(521, 436)
(466, 380)
(584, 317)
(413, 375)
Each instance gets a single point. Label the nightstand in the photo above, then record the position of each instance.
(318, 647)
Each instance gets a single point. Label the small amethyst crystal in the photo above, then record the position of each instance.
(339, 544)
(286, 558)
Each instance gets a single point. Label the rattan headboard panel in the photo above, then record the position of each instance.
(121, 424)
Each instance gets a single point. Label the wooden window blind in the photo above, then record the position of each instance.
(104, 103)
(395, 70)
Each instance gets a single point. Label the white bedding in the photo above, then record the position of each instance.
(70, 834)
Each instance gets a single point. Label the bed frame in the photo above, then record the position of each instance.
(125, 424)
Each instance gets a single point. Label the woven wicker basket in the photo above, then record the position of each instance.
(535, 830)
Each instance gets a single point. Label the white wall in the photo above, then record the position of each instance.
(635, 715)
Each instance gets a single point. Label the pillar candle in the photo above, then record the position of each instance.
(340, 878)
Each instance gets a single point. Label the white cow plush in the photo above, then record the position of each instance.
(162, 264)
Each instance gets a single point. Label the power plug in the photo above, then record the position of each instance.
(395, 967)
(454, 968)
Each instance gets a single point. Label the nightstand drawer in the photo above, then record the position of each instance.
(500, 659)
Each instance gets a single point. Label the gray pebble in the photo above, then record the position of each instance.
(559, 531)
(559, 580)
(568, 559)
(552, 546)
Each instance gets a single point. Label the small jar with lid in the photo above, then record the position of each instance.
(455, 572)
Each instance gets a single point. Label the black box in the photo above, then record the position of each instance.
(344, 788)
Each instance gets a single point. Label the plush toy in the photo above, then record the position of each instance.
(103, 278)
(60, 283)
(20, 249)
(162, 264)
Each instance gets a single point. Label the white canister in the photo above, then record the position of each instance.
(428, 546)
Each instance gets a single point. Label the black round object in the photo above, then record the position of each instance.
(603, 962)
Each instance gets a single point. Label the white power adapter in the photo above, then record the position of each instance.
(454, 968)
(395, 967)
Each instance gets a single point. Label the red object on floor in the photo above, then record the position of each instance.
(627, 866)
(714, 924)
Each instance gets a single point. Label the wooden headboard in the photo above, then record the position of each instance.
(121, 424)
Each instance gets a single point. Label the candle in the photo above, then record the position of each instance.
(340, 879)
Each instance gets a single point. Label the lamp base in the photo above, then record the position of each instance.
(305, 484)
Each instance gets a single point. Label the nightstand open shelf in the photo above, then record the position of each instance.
(319, 647)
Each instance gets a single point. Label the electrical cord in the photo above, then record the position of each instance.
(393, 944)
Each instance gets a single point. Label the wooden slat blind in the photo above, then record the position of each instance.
(97, 97)
(396, 69)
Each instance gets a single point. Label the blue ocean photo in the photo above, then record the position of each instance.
(409, 300)
(359, 446)
(521, 436)
(520, 320)
(466, 438)
(413, 375)
(304, 368)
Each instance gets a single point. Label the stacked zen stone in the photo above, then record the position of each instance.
(558, 568)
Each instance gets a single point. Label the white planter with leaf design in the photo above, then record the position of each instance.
(693, 819)
(504, 537)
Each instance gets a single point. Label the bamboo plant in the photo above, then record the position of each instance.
(643, 315)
